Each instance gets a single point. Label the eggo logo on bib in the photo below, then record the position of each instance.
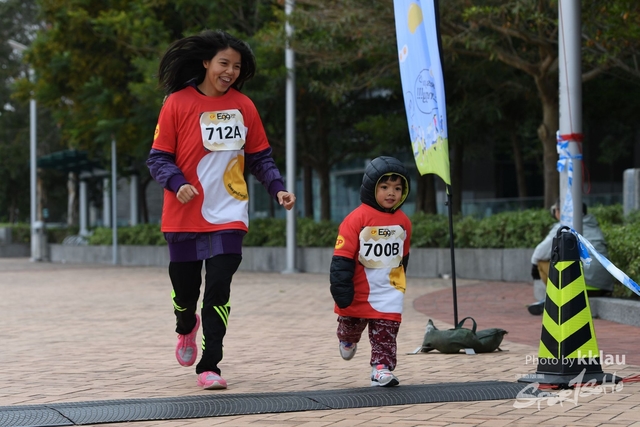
(385, 232)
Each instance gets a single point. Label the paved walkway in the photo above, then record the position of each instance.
(75, 333)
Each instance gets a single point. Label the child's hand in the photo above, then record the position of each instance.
(186, 193)
(286, 199)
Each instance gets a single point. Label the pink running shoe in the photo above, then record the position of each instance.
(211, 381)
(187, 350)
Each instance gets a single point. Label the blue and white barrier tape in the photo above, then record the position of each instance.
(584, 244)
(565, 161)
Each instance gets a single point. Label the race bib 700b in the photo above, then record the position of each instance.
(381, 247)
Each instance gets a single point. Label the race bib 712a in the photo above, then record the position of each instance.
(223, 130)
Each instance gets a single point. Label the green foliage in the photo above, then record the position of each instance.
(266, 232)
(463, 231)
(20, 232)
(315, 234)
(612, 214)
(622, 244)
(520, 229)
(57, 235)
(632, 218)
(516, 229)
(101, 236)
(140, 235)
(429, 230)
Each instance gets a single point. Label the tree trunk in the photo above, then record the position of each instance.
(426, 194)
(519, 164)
(420, 196)
(548, 91)
(72, 212)
(308, 190)
(325, 194)
(457, 154)
(430, 195)
(272, 207)
(144, 207)
(12, 211)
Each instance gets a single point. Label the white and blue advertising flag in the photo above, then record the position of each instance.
(423, 85)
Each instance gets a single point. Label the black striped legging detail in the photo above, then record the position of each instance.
(186, 278)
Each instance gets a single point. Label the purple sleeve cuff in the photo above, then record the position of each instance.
(163, 169)
(175, 182)
(275, 187)
(264, 168)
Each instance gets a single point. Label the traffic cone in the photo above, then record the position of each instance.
(568, 354)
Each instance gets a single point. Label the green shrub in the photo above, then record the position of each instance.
(266, 232)
(523, 229)
(632, 218)
(140, 235)
(609, 214)
(315, 234)
(429, 230)
(272, 232)
(101, 236)
(57, 235)
(520, 229)
(143, 234)
(622, 245)
(20, 232)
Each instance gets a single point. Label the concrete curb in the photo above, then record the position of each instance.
(616, 310)
(15, 250)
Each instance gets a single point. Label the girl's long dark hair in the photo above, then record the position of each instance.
(182, 61)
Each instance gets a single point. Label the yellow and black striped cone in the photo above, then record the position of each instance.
(568, 352)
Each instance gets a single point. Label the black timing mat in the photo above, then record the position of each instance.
(221, 403)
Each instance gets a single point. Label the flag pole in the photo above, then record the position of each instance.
(453, 257)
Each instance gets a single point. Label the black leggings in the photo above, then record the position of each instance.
(186, 278)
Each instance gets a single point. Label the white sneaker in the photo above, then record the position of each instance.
(381, 376)
(348, 350)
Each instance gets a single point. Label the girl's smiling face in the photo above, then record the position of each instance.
(222, 72)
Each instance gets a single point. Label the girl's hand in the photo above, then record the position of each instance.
(286, 199)
(186, 193)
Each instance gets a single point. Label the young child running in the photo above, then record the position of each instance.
(368, 268)
(207, 132)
